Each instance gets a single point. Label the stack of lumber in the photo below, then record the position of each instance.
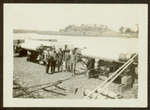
(102, 90)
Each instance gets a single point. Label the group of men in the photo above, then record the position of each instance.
(60, 59)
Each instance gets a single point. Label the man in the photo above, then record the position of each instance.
(72, 58)
(73, 61)
(67, 60)
(66, 57)
(45, 56)
(53, 61)
(49, 59)
(60, 60)
(90, 67)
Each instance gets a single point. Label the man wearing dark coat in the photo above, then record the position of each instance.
(90, 66)
(60, 60)
(53, 61)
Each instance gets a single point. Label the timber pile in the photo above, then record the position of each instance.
(101, 91)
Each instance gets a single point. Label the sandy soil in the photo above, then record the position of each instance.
(29, 74)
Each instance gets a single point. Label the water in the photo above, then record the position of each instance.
(103, 47)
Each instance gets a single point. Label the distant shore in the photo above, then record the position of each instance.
(104, 34)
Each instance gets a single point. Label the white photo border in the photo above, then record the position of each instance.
(141, 101)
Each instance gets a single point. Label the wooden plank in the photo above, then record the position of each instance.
(113, 76)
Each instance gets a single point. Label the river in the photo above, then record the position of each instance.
(103, 47)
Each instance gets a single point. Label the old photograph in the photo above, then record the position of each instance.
(84, 52)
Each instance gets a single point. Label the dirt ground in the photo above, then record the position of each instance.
(29, 74)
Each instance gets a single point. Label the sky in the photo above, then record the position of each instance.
(58, 16)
